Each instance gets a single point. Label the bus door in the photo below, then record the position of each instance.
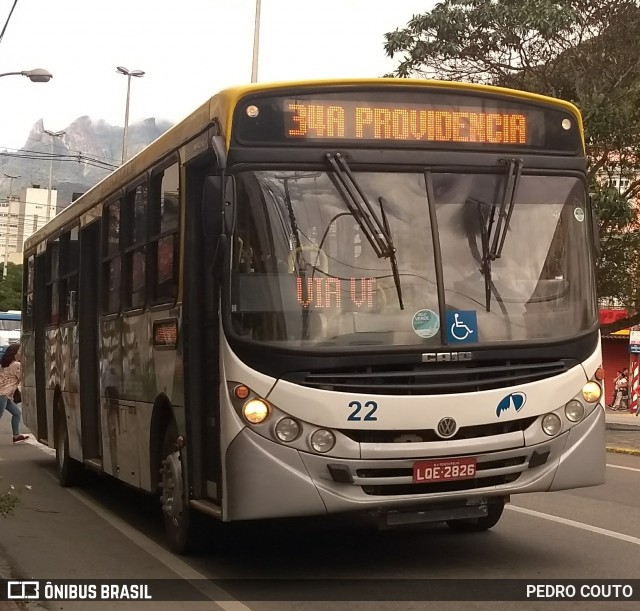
(201, 344)
(41, 303)
(88, 308)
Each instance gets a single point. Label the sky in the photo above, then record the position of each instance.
(188, 49)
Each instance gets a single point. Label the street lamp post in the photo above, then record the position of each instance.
(37, 75)
(256, 44)
(6, 237)
(53, 135)
(128, 74)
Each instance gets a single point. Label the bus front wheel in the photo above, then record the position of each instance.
(494, 513)
(179, 519)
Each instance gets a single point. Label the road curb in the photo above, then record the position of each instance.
(618, 450)
(628, 428)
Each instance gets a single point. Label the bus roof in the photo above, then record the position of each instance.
(221, 107)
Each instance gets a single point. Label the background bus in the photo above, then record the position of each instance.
(325, 297)
(9, 328)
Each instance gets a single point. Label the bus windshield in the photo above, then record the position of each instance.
(9, 325)
(307, 274)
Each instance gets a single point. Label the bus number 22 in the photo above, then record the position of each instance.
(372, 406)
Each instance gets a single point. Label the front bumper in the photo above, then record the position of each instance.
(268, 480)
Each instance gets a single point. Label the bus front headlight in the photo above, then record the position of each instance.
(255, 411)
(551, 424)
(287, 429)
(574, 410)
(591, 391)
(323, 440)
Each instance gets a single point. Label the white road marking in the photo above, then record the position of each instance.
(594, 529)
(197, 579)
(621, 467)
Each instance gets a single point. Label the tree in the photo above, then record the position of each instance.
(584, 51)
(11, 288)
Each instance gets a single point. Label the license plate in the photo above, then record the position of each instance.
(444, 469)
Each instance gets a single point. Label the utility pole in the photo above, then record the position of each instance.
(256, 44)
(53, 136)
(6, 237)
(128, 74)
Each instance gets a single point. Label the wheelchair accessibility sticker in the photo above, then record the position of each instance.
(425, 323)
(462, 326)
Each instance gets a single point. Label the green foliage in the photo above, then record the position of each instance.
(620, 243)
(8, 503)
(584, 51)
(11, 288)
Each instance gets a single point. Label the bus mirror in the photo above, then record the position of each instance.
(212, 206)
(596, 238)
(217, 142)
(596, 234)
(218, 205)
(229, 209)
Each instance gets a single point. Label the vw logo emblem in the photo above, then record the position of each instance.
(447, 427)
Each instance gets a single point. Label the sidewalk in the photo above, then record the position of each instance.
(623, 432)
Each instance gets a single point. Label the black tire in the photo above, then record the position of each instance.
(70, 471)
(494, 513)
(181, 523)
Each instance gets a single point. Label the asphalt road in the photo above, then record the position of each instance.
(109, 531)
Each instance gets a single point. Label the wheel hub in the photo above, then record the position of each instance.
(171, 475)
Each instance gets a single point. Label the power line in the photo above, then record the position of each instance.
(4, 29)
(70, 150)
(80, 158)
(9, 151)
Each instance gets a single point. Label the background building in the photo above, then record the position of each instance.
(21, 216)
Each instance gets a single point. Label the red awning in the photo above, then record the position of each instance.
(609, 316)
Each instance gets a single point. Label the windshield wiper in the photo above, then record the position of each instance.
(392, 255)
(494, 233)
(514, 171)
(376, 231)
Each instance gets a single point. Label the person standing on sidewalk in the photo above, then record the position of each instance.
(10, 374)
(615, 401)
(622, 392)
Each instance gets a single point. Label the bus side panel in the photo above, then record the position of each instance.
(132, 443)
(29, 409)
(165, 365)
(135, 358)
(41, 305)
(110, 391)
(67, 372)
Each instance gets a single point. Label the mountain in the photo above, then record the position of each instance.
(87, 151)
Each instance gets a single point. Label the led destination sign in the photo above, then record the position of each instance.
(409, 118)
(354, 120)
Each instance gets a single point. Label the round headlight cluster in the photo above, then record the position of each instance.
(323, 440)
(255, 411)
(591, 391)
(574, 411)
(551, 424)
(287, 429)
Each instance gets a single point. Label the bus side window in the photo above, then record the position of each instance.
(53, 296)
(27, 291)
(111, 259)
(164, 217)
(135, 247)
(69, 266)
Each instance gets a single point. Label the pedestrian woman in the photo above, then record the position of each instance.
(10, 374)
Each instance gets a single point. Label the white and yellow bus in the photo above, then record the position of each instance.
(306, 298)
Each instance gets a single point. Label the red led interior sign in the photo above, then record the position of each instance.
(328, 292)
(401, 122)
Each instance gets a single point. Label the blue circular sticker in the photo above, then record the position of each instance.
(425, 323)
